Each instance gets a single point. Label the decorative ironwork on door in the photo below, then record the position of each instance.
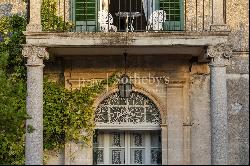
(138, 109)
(127, 147)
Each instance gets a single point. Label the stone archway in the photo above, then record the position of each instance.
(126, 129)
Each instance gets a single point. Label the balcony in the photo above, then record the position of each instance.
(79, 27)
(128, 15)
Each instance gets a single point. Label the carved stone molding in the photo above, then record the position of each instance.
(35, 55)
(219, 54)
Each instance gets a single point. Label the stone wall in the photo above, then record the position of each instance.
(188, 124)
(200, 106)
(238, 82)
(9, 7)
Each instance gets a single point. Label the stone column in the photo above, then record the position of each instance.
(218, 102)
(34, 104)
(35, 16)
(219, 16)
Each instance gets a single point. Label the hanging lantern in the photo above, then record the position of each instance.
(124, 86)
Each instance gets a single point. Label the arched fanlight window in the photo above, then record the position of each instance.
(126, 112)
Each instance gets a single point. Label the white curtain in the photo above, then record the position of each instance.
(148, 7)
(104, 4)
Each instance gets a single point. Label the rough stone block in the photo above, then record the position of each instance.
(238, 120)
(239, 65)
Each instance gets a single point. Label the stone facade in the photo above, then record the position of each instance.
(238, 83)
(9, 7)
(205, 101)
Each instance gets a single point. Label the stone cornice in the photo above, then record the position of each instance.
(219, 55)
(35, 55)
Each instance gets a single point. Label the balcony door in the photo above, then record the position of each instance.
(127, 148)
(138, 22)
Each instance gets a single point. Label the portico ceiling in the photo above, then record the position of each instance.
(136, 50)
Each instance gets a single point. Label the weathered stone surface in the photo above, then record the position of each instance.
(10, 7)
(5, 9)
(201, 123)
(238, 120)
(238, 21)
(54, 157)
(239, 64)
(34, 104)
(200, 68)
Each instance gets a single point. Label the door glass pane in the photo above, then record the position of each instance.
(155, 156)
(134, 147)
(117, 139)
(137, 139)
(98, 139)
(137, 156)
(155, 139)
(98, 156)
(117, 156)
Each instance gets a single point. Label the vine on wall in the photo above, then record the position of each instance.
(68, 115)
(50, 20)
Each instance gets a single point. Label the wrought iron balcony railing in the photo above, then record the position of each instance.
(126, 15)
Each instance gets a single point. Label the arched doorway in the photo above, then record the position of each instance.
(127, 131)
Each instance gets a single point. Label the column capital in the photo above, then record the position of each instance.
(219, 55)
(35, 55)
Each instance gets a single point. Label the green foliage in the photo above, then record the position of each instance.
(12, 90)
(50, 19)
(12, 116)
(11, 32)
(69, 115)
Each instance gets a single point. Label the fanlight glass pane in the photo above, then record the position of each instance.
(137, 109)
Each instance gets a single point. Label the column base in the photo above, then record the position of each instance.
(34, 28)
(220, 28)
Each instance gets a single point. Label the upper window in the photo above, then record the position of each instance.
(174, 13)
(128, 15)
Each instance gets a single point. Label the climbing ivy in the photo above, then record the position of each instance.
(68, 115)
(50, 20)
(12, 90)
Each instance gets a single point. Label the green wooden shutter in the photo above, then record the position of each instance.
(85, 15)
(175, 17)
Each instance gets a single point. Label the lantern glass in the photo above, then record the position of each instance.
(125, 86)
